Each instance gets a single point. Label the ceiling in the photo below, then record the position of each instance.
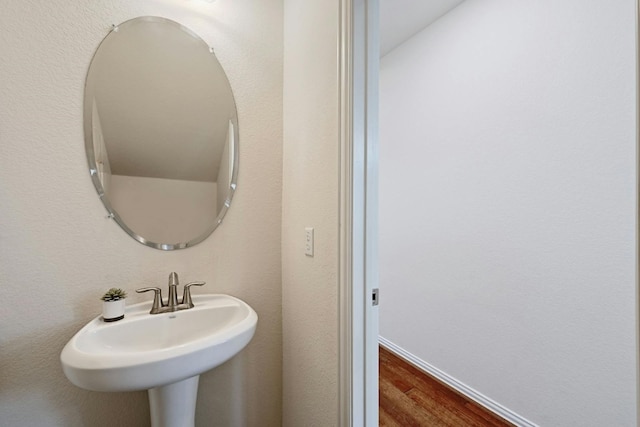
(401, 19)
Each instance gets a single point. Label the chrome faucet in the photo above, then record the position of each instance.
(172, 304)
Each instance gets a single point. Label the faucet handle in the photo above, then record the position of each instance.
(157, 298)
(186, 296)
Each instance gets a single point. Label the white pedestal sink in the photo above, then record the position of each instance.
(163, 353)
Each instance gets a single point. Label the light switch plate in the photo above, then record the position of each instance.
(308, 242)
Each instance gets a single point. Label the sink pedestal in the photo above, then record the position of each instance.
(174, 405)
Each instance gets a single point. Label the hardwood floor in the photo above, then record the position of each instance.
(411, 398)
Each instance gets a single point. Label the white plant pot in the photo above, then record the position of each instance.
(113, 310)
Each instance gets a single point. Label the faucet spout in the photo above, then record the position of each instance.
(173, 303)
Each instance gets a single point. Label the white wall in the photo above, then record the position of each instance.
(507, 205)
(310, 199)
(58, 253)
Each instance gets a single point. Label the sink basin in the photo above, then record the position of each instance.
(144, 351)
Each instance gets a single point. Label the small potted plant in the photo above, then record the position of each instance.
(113, 305)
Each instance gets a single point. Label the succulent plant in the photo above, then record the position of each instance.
(114, 294)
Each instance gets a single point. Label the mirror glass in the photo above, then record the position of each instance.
(161, 132)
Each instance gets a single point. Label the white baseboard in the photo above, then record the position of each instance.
(460, 387)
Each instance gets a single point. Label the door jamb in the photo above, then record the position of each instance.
(358, 328)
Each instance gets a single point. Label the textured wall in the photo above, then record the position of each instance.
(507, 205)
(58, 253)
(310, 199)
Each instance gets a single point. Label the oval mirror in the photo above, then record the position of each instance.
(161, 132)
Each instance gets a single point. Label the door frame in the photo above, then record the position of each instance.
(358, 316)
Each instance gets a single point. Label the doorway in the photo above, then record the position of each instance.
(508, 207)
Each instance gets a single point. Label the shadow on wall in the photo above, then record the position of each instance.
(30, 378)
(222, 394)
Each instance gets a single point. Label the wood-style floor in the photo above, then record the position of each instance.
(411, 398)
